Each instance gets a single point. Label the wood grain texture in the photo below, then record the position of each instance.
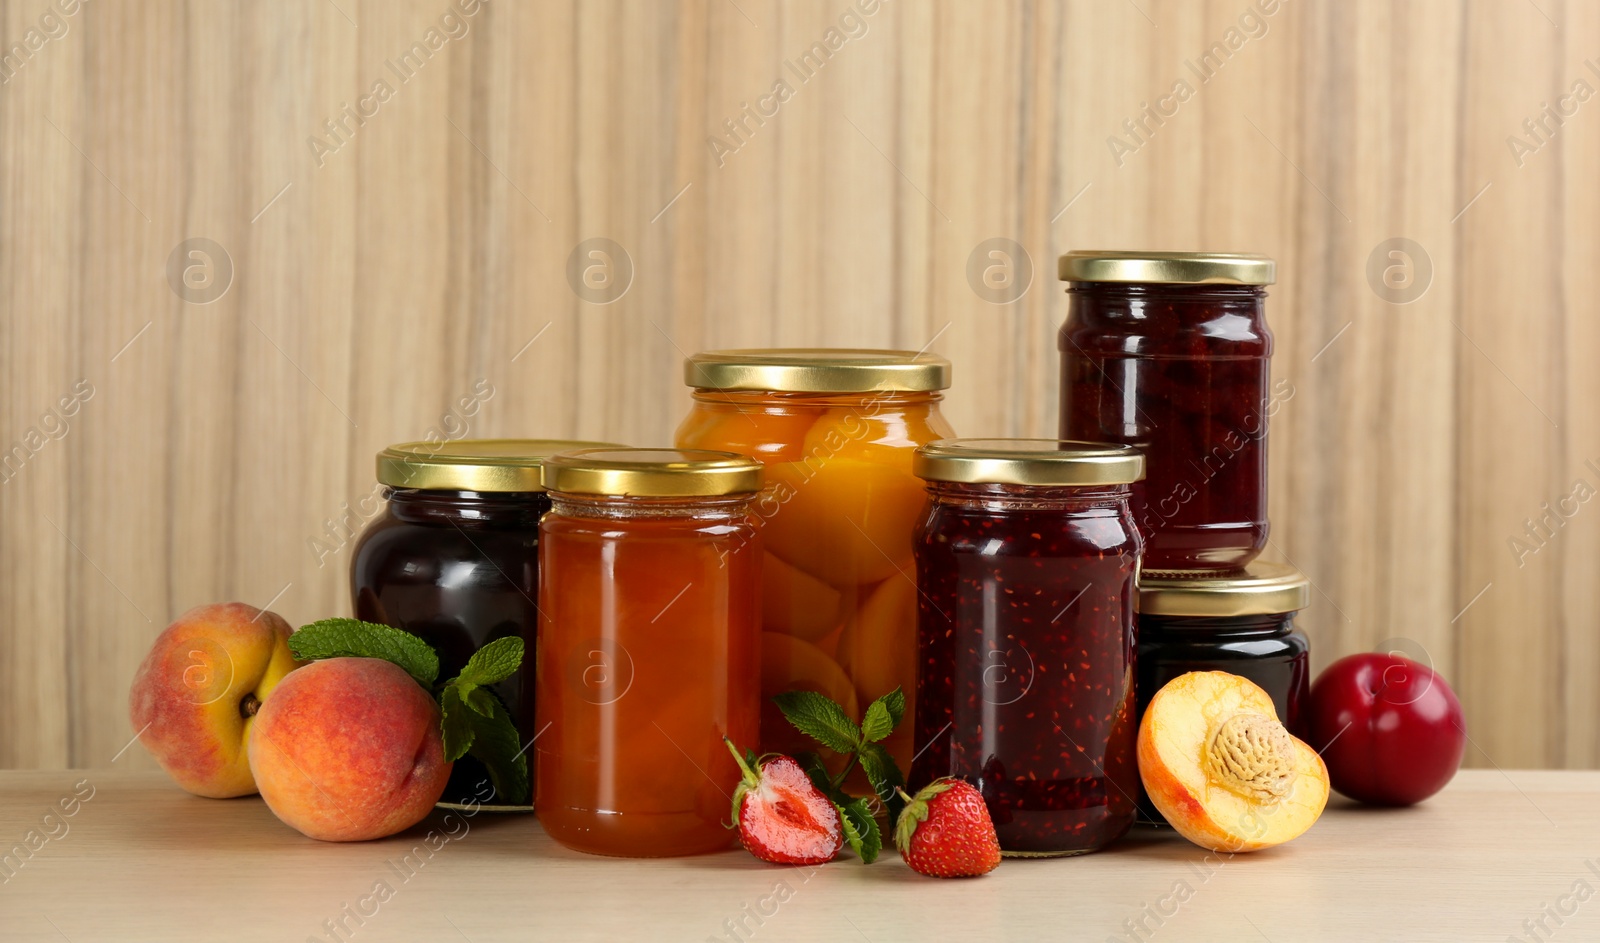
(1490, 852)
(420, 257)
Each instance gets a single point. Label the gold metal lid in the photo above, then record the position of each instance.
(817, 370)
(656, 473)
(1173, 268)
(1028, 462)
(1258, 589)
(499, 465)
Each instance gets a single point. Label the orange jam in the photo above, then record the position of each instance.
(836, 430)
(649, 577)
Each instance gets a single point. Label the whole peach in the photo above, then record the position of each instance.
(349, 749)
(195, 697)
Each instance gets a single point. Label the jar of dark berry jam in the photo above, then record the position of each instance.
(453, 558)
(1027, 557)
(1241, 623)
(1169, 352)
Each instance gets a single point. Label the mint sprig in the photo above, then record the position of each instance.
(475, 722)
(472, 719)
(823, 720)
(352, 638)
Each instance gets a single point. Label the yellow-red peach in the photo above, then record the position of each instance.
(194, 699)
(349, 749)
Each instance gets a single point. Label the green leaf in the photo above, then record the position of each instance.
(885, 778)
(479, 699)
(494, 662)
(861, 829)
(820, 777)
(345, 638)
(883, 715)
(455, 723)
(821, 719)
(496, 744)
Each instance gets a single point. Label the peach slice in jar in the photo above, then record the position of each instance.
(844, 521)
(796, 603)
(878, 649)
(1222, 769)
(771, 433)
(791, 664)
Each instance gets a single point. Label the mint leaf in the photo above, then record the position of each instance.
(861, 830)
(821, 719)
(454, 723)
(497, 745)
(346, 638)
(479, 699)
(820, 777)
(495, 661)
(885, 778)
(883, 715)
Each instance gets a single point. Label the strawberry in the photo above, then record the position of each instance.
(781, 816)
(945, 831)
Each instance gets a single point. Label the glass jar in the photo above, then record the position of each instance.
(1241, 623)
(1170, 352)
(650, 593)
(453, 558)
(836, 430)
(1027, 559)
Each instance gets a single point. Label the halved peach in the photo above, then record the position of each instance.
(878, 649)
(769, 433)
(1222, 769)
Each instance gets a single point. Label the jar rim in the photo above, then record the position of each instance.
(1173, 268)
(817, 370)
(490, 465)
(1259, 588)
(652, 472)
(1044, 462)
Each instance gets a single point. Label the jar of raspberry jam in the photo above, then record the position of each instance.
(1027, 559)
(1169, 352)
(1240, 622)
(453, 558)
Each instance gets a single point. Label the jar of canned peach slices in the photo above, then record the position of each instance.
(836, 429)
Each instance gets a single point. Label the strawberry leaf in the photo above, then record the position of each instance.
(860, 829)
(819, 718)
(883, 715)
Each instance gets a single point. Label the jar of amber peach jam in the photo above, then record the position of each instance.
(836, 430)
(1169, 352)
(1027, 560)
(453, 558)
(650, 596)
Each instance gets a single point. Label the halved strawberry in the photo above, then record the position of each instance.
(781, 816)
(945, 831)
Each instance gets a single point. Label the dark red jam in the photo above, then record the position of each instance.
(1025, 641)
(1181, 372)
(459, 569)
(1267, 649)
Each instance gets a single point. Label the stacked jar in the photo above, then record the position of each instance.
(836, 430)
(1170, 352)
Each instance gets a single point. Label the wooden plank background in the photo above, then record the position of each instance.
(177, 452)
